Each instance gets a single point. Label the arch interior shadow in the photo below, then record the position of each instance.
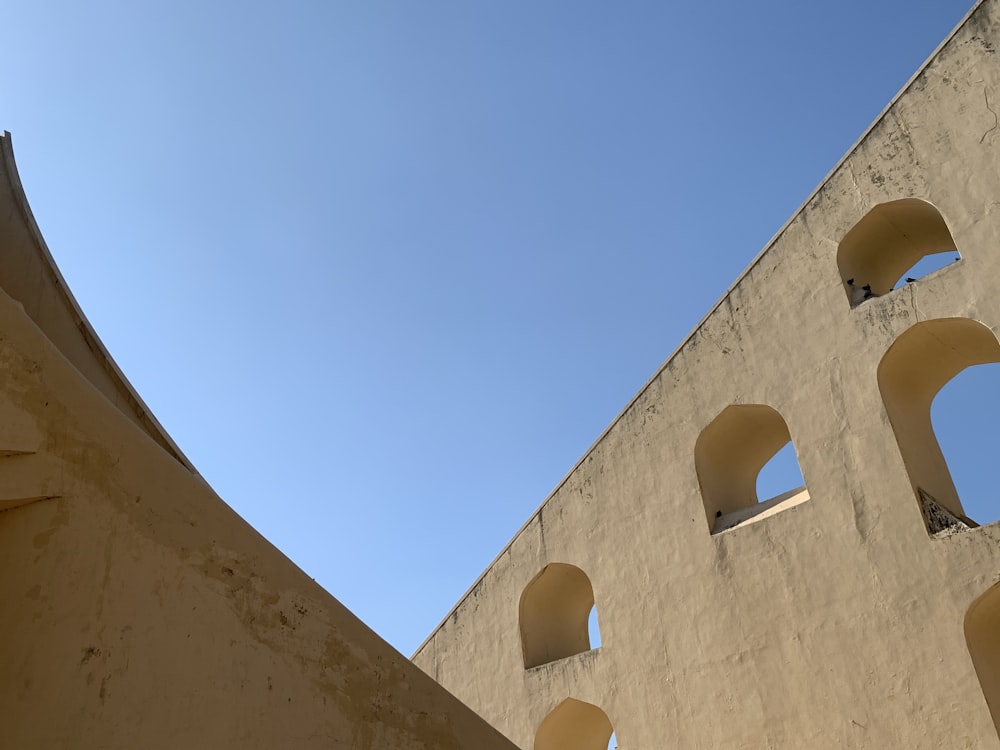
(554, 614)
(574, 725)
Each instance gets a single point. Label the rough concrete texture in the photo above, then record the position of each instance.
(834, 621)
(139, 610)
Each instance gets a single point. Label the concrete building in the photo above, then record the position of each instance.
(859, 611)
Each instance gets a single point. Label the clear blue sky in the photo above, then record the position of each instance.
(386, 270)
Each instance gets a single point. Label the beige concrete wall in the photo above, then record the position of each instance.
(837, 622)
(138, 610)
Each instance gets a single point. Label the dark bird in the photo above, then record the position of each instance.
(910, 279)
(718, 514)
(851, 282)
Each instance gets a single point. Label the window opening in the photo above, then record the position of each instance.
(926, 266)
(730, 455)
(965, 416)
(594, 629)
(575, 724)
(899, 241)
(781, 473)
(917, 366)
(982, 636)
(554, 614)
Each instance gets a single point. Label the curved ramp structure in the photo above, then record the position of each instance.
(29, 275)
(138, 609)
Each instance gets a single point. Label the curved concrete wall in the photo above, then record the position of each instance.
(139, 611)
(29, 275)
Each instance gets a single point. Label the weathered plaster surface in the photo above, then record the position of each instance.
(838, 621)
(139, 611)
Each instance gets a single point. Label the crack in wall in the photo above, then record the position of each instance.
(996, 120)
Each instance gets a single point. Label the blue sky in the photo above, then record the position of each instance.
(386, 270)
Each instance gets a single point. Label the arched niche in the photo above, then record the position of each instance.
(887, 242)
(921, 361)
(574, 725)
(554, 614)
(729, 455)
(982, 635)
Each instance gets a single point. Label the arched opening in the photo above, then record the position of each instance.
(982, 636)
(574, 725)
(965, 416)
(554, 614)
(912, 372)
(899, 240)
(729, 456)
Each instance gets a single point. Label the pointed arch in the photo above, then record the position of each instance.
(574, 725)
(920, 362)
(887, 242)
(554, 614)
